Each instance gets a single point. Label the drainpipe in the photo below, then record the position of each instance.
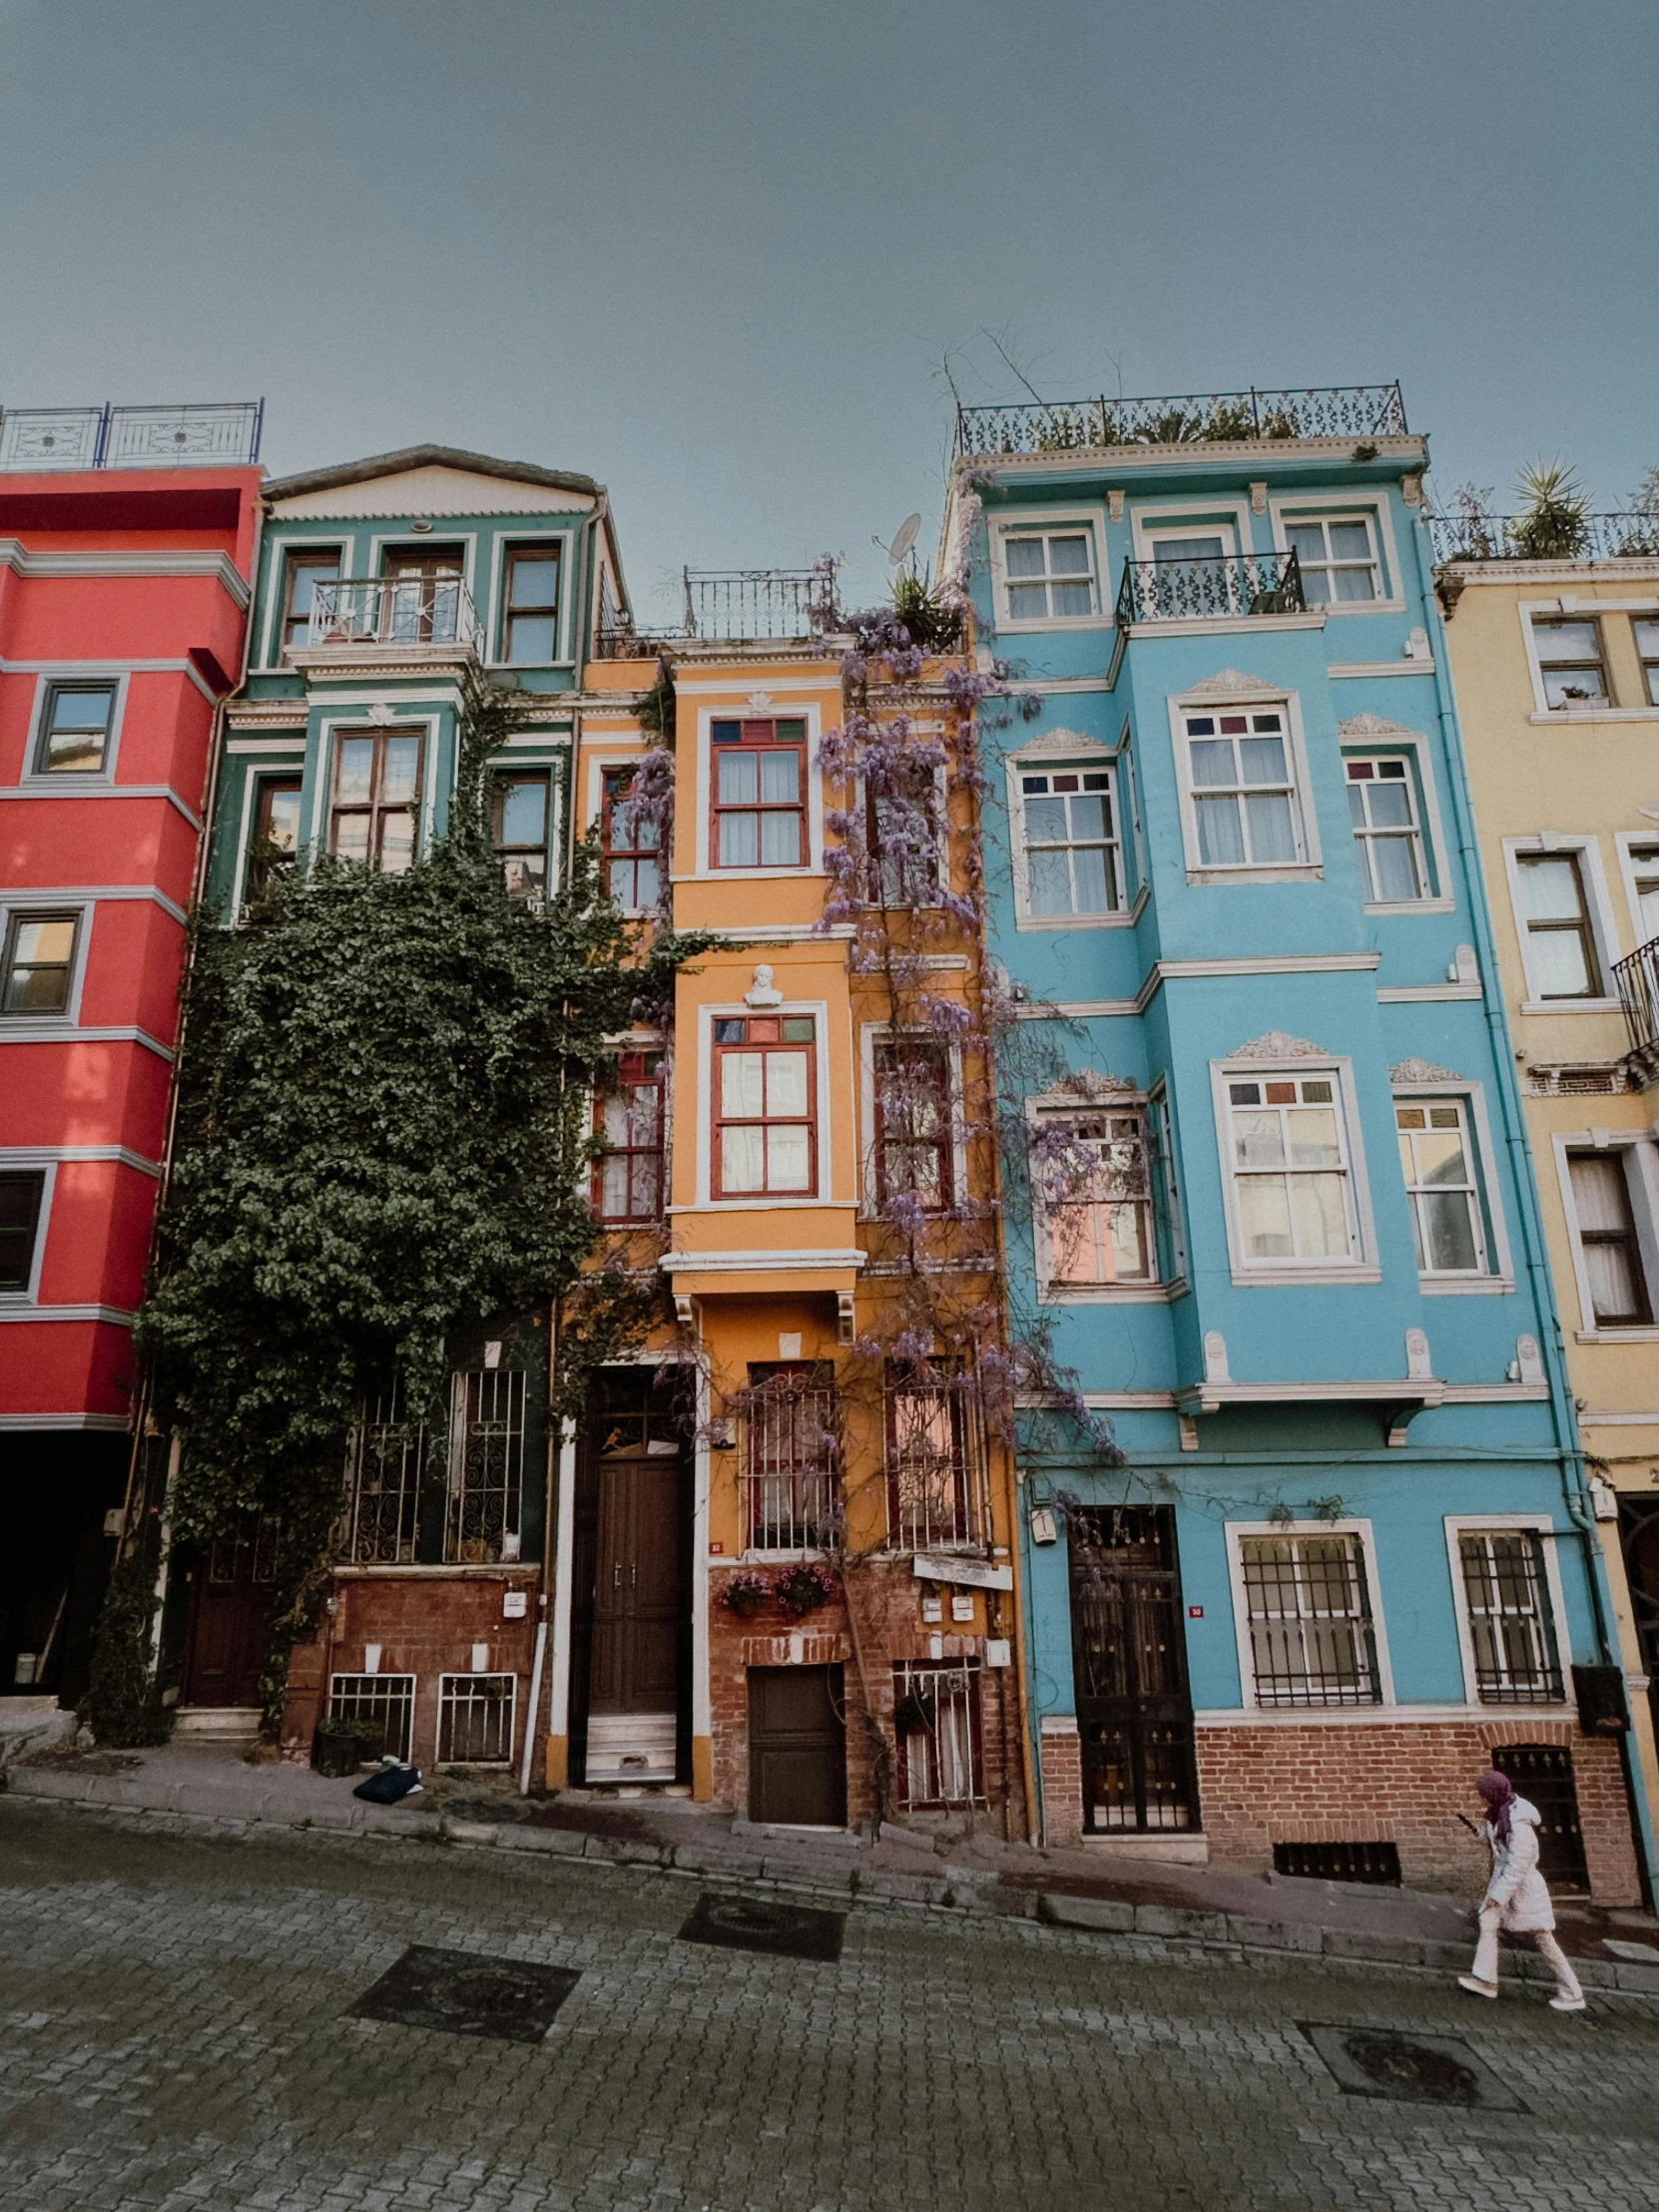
(1036, 1813)
(1563, 1410)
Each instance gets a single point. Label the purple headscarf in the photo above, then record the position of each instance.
(1499, 1794)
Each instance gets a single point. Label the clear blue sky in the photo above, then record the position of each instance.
(713, 251)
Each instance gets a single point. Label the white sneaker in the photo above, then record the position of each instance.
(1477, 1988)
(1567, 2004)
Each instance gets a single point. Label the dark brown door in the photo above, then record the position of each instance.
(229, 1626)
(635, 1597)
(1543, 1774)
(796, 1747)
(1129, 1654)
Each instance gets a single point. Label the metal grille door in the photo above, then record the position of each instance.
(1542, 1773)
(1134, 1713)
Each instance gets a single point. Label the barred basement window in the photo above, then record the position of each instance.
(936, 1724)
(1374, 1863)
(475, 1719)
(789, 1429)
(1516, 1661)
(486, 1465)
(386, 1699)
(385, 1459)
(1312, 1638)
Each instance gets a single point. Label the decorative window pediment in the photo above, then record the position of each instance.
(1279, 1044)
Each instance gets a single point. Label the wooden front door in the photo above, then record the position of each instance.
(1129, 1654)
(636, 1596)
(230, 1622)
(796, 1747)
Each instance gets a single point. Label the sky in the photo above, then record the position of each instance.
(730, 256)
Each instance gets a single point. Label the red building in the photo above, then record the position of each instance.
(127, 545)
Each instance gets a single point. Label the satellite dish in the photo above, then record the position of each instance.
(903, 538)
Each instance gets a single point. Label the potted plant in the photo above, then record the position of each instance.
(745, 1594)
(1554, 524)
(802, 1588)
(343, 1741)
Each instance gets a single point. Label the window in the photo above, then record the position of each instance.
(628, 1120)
(902, 829)
(1312, 1639)
(376, 799)
(486, 1465)
(520, 829)
(914, 1139)
(386, 1455)
(935, 1460)
(39, 964)
(1555, 921)
(424, 604)
(1071, 841)
(1511, 1628)
(1192, 577)
(475, 1719)
(305, 571)
(766, 1106)
(1049, 575)
(789, 1428)
(532, 605)
(1644, 867)
(385, 1701)
(629, 838)
(1337, 560)
(1437, 1162)
(1607, 1238)
(74, 728)
(1094, 1184)
(1647, 648)
(935, 1716)
(1569, 661)
(1290, 1170)
(1243, 792)
(21, 1193)
(275, 830)
(760, 793)
(1382, 806)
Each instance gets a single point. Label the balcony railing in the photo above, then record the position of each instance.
(1483, 537)
(404, 611)
(1637, 978)
(789, 1467)
(750, 603)
(1199, 591)
(206, 435)
(622, 642)
(1359, 411)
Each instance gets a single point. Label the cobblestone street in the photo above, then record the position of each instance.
(176, 2030)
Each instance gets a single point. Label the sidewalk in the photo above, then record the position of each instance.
(1091, 1889)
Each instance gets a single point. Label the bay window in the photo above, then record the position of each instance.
(765, 1090)
(1289, 1161)
(1387, 838)
(377, 800)
(1245, 804)
(758, 773)
(1072, 860)
(1436, 1159)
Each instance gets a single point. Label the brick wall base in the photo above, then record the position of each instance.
(1062, 1777)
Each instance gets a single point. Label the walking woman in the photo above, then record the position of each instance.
(1515, 1895)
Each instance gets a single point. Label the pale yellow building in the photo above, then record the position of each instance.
(1555, 664)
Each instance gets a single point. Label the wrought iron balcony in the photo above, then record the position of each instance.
(402, 610)
(622, 642)
(1482, 537)
(1358, 412)
(208, 435)
(1637, 977)
(741, 604)
(1199, 591)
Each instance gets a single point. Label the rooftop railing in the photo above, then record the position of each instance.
(750, 603)
(404, 611)
(206, 435)
(1481, 537)
(1199, 591)
(1358, 412)
(1637, 980)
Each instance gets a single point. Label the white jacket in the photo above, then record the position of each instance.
(1517, 1887)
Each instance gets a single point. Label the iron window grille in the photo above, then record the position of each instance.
(1560, 942)
(475, 1719)
(630, 841)
(935, 1454)
(1337, 557)
(39, 964)
(303, 573)
(628, 1121)
(1096, 1200)
(1436, 1160)
(1608, 1241)
(1511, 1624)
(1048, 575)
(1290, 1170)
(257, 1537)
(1073, 862)
(384, 1700)
(75, 729)
(902, 830)
(789, 1437)
(1371, 1862)
(530, 618)
(936, 1728)
(377, 798)
(914, 1134)
(1570, 664)
(21, 1195)
(1312, 1637)
(766, 1106)
(386, 1454)
(1382, 809)
(520, 826)
(758, 773)
(486, 1465)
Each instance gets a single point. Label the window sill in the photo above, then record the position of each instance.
(1641, 1333)
(752, 875)
(1033, 922)
(1283, 1278)
(1361, 606)
(1007, 627)
(1572, 1006)
(750, 1205)
(1470, 1285)
(1549, 716)
(1410, 905)
(1112, 1294)
(1304, 872)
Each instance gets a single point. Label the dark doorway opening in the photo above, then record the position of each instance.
(56, 1493)
(1542, 1773)
(231, 1586)
(1129, 1652)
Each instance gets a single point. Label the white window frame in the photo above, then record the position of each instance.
(1377, 514)
(1361, 1265)
(1558, 610)
(1062, 753)
(1537, 1524)
(1628, 841)
(1498, 1274)
(1642, 1185)
(1311, 866)
(448, 1696)
(872, 1034)
(1049, 522)
(1586, 849)
(1155, 1289)
(68, 674)
(1188, 518)
(24, 903)
(1416, 749)
(1235, 1533)
(19, 1158)
(779, 710)
(766, 1202)
(278, 551)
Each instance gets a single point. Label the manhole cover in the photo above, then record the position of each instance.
(746, 1924)
(1426, 2069)
(465, 1994)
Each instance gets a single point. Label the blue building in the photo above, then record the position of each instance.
(1276, 1205)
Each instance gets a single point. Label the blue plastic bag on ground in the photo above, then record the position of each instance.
(390, 1781)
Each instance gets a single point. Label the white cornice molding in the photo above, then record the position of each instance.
(17, 557)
